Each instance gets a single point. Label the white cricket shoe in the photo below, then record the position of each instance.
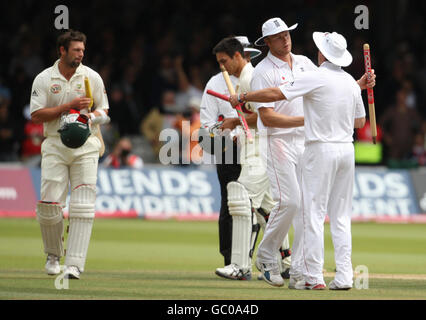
(234, 272)
(52, 265)
(72, 272)
(293, 281)
(334, 286)
(271, 274)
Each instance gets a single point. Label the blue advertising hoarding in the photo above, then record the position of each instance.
(162, 192)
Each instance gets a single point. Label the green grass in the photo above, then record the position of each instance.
(138, 259)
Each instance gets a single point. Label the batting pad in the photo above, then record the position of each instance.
(81, 216)
(50, 218)
(240, 209)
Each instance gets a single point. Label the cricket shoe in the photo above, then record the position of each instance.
(334, 286)
(232, 271)
(303, 285)
(72, 272)
(293, 281)
(52, 265)
(271, 274)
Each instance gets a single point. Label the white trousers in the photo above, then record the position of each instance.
(62, 167)
(283, 166)
(327, 186)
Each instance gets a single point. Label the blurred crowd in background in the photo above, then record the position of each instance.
(156, 57)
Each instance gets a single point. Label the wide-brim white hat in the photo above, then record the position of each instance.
(333, 47)
(246, 45)
(271, 27)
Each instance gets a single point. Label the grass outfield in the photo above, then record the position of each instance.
(138, 259)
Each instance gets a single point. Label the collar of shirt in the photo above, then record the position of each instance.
(57, 74)
(246, 69)
(330, 66)
(280, 63)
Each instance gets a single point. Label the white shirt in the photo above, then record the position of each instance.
(331, 101)
(51, 89)
(211, 107)
(273, 72)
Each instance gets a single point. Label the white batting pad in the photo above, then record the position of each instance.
(240, 210)
(81, 216)
(50, 218)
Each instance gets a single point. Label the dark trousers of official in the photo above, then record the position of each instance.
(226, 173)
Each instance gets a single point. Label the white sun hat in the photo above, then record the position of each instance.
(333, 47)
(271, 27)
(246, 44)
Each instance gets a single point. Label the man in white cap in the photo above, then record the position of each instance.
(249, 198)
(283, 123)
(332, 108)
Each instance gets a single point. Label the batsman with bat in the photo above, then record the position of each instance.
(332, 106)
(249, 198)
(61, 97)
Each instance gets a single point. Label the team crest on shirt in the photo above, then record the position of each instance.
(55, 88)
(79, 88)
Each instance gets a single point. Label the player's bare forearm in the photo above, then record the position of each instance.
(231, 123)
(263, 95)
(251, 119)
(49, 114)
(359, 123)
(270, 118)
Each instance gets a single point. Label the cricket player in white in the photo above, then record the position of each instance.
(332, 107)
(252, 190)
(283, 123)
(55, 92)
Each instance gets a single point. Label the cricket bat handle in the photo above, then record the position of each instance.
(238, 107)
(97, 127)
(370, 93)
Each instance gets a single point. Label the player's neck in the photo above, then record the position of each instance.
(240, 69)
(285, 57)
(66, 70)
